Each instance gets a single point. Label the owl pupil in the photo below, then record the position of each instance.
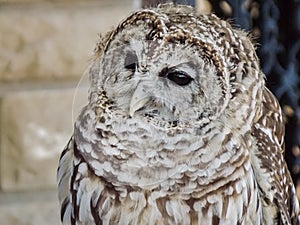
(131, 61)
(179, 77)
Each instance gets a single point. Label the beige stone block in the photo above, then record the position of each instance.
(29, 209)
(35, 127)
(53, 40)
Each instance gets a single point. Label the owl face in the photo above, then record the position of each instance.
(164, 80)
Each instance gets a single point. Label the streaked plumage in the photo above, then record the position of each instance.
(179, 129)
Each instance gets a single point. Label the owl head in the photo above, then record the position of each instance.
(169, 67)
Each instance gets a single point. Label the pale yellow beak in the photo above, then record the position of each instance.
(139, 99)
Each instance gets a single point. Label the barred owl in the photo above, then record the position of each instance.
(179, 129)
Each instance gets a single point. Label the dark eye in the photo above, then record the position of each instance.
(179, 77)
(131, 61)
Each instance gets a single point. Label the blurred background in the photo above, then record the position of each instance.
(45, 47)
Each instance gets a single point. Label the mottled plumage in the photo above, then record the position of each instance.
(179, 129)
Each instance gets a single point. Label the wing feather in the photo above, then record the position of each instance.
(64, 175)
(277, 192)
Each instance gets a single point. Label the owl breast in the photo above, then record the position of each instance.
(135, 152)
(143, 176)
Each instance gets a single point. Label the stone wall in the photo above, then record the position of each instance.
(45, 47)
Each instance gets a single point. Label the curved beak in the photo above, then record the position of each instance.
(139, 98)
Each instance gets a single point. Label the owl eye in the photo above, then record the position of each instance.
(179, 77)
(131, 61)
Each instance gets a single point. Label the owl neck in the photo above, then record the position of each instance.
(130, 152)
